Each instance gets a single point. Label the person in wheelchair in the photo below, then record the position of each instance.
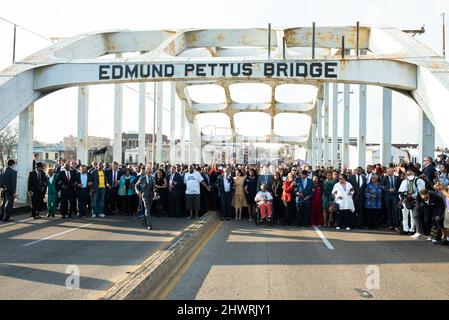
(264, 201)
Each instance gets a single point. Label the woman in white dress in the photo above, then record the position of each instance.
(342, 193)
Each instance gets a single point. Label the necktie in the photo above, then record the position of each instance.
(148, 180)
(358, 180)
(39, 179)
(68, 175)
(411, 187)
(391, 183)
(114, 178)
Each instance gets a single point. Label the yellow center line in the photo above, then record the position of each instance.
(177, 274)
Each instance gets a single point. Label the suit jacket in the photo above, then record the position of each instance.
(385, 185)
(78, 179)
(147, 189)
(33, 181)
(220, 184)
(109, 177)
(9, 180)
(66, 184)
(179, 187)
(358, 191)
(307, 191)
(436, 206)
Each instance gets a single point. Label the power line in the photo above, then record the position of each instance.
(147, 95)
(26, 29)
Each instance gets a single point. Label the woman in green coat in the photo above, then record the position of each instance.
(52, 193)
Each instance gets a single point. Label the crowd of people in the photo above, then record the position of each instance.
(407, 199)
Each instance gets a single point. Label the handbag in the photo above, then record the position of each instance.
(435, 231)
(156, 196)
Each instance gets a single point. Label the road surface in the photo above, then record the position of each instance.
(38, 256)
(242, 261)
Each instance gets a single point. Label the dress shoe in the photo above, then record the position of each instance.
(150, 227)
(9, 220)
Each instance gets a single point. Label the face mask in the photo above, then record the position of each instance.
(411, 178)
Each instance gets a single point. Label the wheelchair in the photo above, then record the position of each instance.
(259, 221)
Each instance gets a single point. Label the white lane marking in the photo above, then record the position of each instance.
(323, 237)
(55, 235)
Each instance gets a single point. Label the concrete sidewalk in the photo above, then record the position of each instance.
(38, 256)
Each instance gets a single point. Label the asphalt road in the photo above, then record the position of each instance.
(242, 261)
(35, 254)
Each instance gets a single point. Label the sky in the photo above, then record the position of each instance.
(56, 114)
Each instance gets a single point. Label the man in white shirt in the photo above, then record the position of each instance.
(192, 180)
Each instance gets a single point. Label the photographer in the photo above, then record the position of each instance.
(408, 194)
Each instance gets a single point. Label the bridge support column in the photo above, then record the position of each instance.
(25, 152)
(385, 140)
(313, 149)
(345, 145)
(334, 154)
(326, 126)
(319, 134)
(142, 122)
(426, 137)
(183, 132)
(159, 102)
(118, 114)
(361, 140)
(82, 140)
(191, 139)
(172, 123)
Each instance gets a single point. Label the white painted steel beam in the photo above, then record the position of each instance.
(361, 139)
(142, 122)
(172, 122)
(25, 152)
(386, 120)
(159, 113)
(334, 152)
(118, 120)
(326, 162)
(82, 140)
(426, 138)
(346, 124)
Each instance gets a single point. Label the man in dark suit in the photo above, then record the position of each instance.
(8, 184)
(36, 189)
(112, 185)
(433, 208)
(67, 184)
(35, 160)
(304, 193)
(390, 187)
(145, 189)
(358, 182)
(83, 185)
(175, 192)
(225, 185)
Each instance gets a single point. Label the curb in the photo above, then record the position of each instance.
(154, 273)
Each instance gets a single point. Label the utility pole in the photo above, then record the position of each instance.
(14, 45)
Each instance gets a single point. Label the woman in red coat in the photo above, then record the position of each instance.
(316, 208)
(288, 199)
